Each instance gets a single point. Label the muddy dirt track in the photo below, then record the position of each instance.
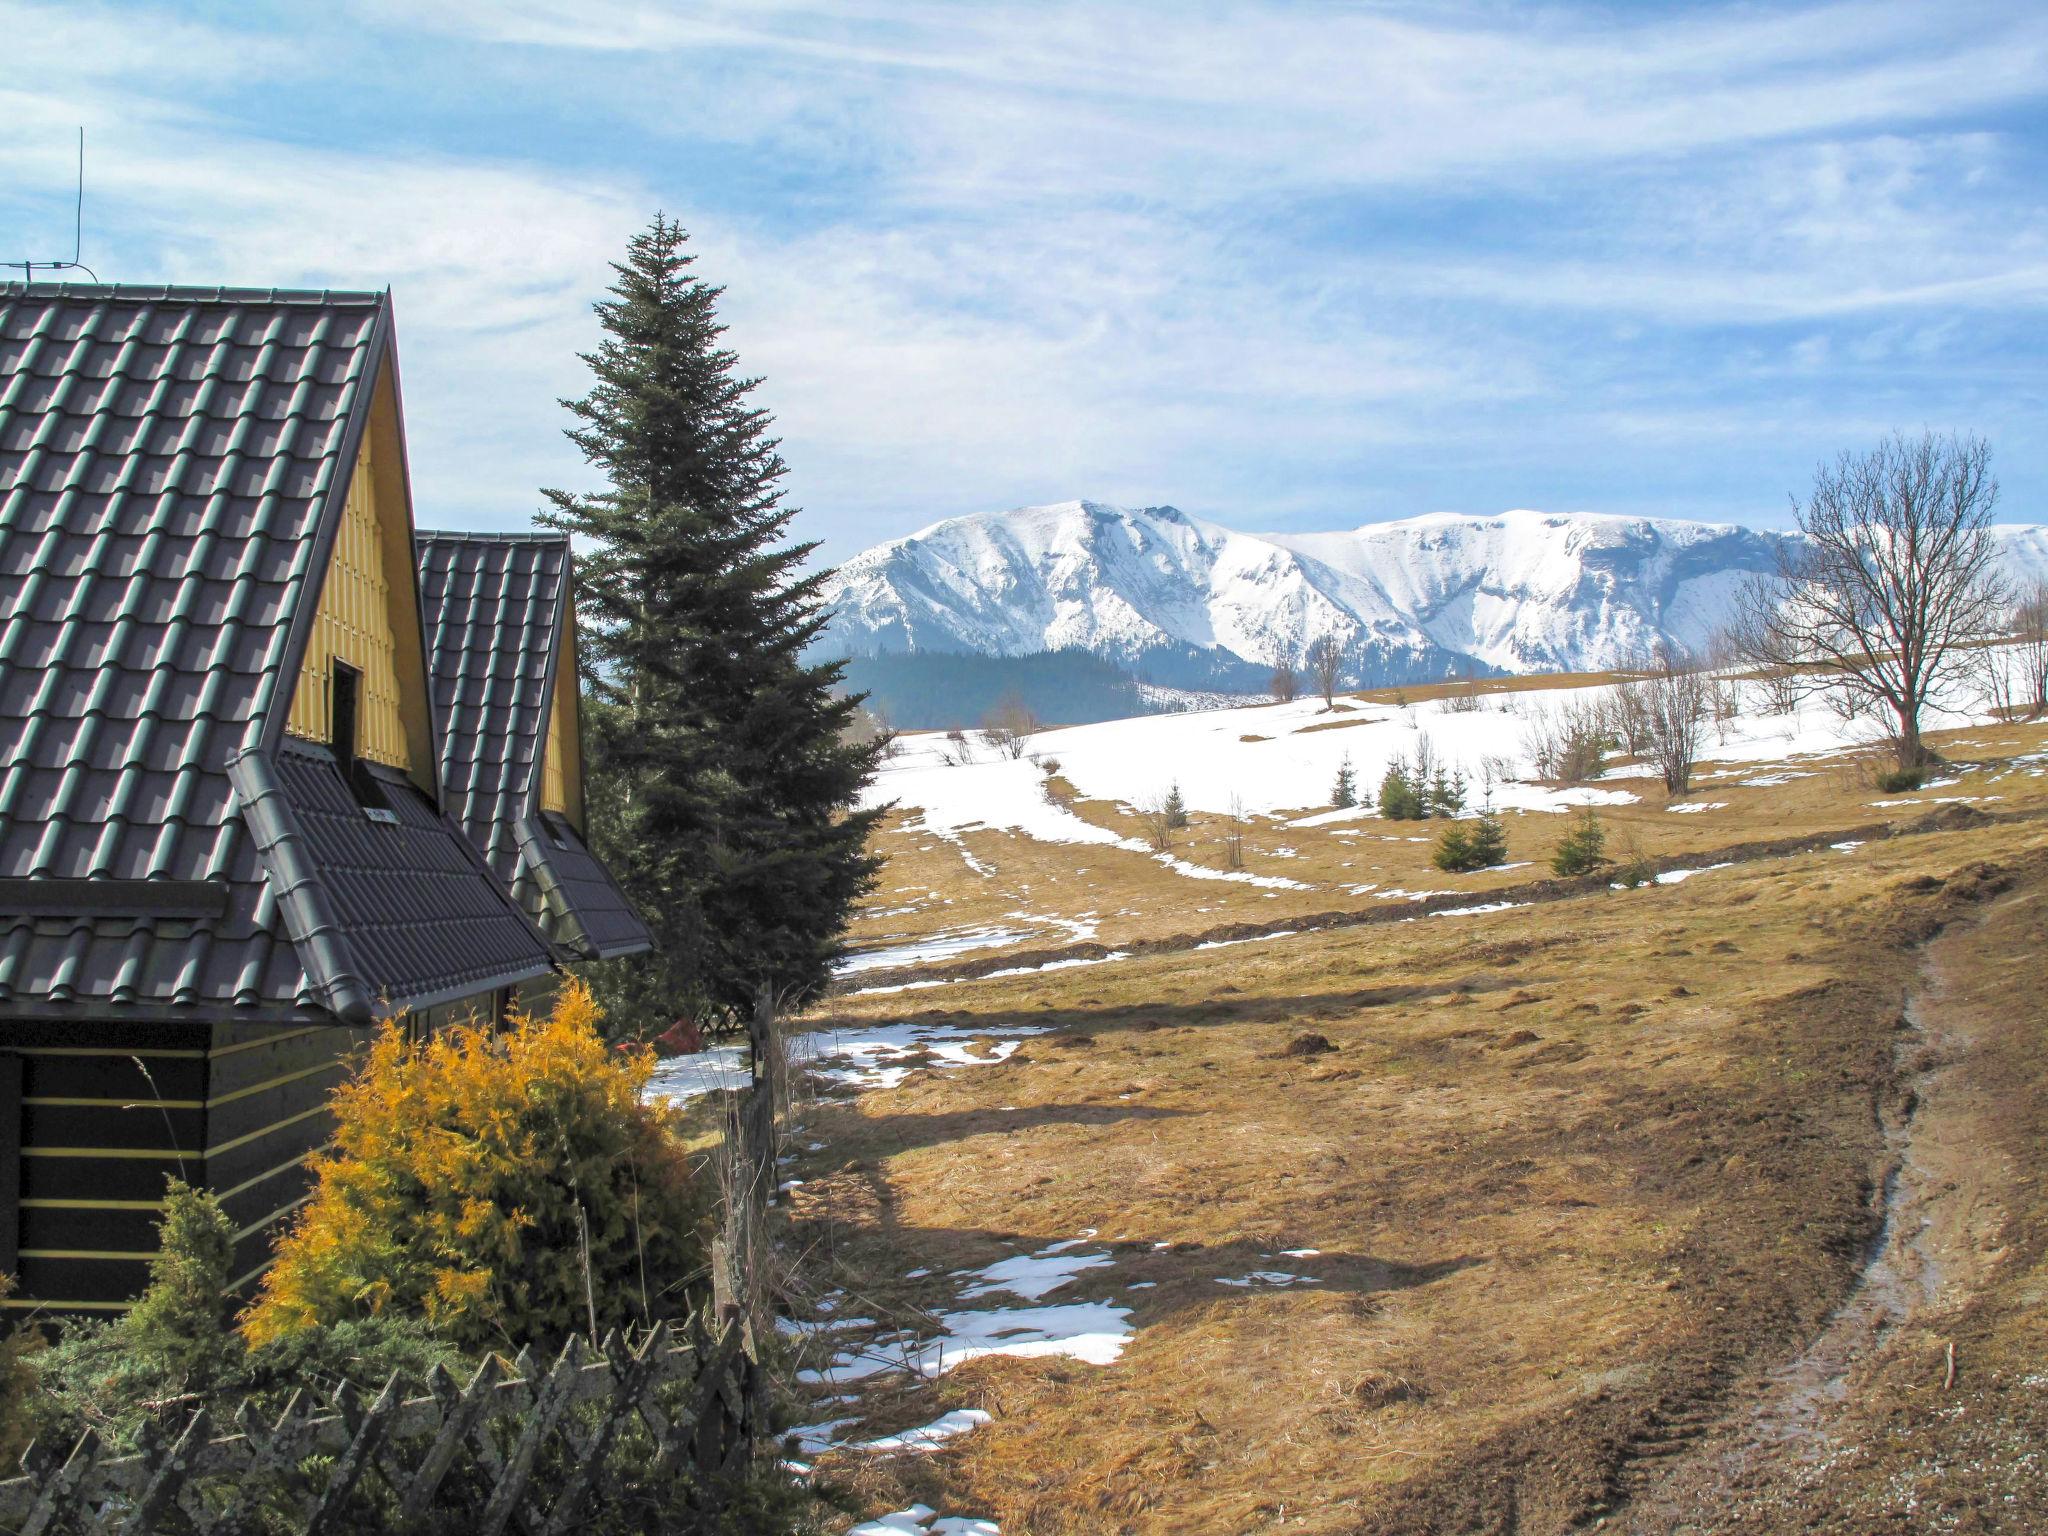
(1895, 1416)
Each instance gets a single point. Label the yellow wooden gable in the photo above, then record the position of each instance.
(368, 615)
(561, 764)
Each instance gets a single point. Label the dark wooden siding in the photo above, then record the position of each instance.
(107, 1113)
(537, 997)
(266, 1115)
(10, 1160)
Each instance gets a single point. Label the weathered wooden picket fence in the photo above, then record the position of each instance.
(522, 1449)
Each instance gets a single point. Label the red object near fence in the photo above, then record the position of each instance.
(682, 1038)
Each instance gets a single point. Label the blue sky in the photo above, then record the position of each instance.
(1290, 266)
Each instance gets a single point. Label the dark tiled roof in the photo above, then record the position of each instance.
(171, 468)
(583, 906)
(495, 605)
(383, 912)
(165, 457)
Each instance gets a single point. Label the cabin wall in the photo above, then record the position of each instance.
(106, 1113)
(267, 1096)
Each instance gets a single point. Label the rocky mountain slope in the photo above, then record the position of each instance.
(1178, 600)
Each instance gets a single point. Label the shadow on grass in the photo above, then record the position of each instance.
(899, 1132)
(1058, 1028)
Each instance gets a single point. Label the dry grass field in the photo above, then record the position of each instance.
(1517, 1221)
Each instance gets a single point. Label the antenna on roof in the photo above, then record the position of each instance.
(30, 268)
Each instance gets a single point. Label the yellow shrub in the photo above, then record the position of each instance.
(466, 1177)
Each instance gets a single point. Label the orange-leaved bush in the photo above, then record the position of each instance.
(474, 1176)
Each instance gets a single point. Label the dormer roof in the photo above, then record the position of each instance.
(501, 644)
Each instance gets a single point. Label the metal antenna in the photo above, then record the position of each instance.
(30, 268)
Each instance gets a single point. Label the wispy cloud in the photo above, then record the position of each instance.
(1286, 263)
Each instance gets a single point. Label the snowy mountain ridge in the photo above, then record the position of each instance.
(1181, 600)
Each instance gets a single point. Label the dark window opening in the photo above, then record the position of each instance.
(347, 697)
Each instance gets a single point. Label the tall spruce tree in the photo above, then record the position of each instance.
(722, 773)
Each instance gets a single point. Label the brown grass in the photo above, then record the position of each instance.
(1573, 1169)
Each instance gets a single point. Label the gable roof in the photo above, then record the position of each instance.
(500, 626)
(172, 468)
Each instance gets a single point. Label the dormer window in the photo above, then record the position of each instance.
(346, 704)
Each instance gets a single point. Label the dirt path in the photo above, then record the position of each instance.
(1941, 1204)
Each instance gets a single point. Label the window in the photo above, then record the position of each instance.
(345, 700)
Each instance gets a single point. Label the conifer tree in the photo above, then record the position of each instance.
(721, 756)
(1176, 808)
(1400, 796)
(1344, 793)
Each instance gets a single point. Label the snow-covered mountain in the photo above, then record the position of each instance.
(1180, 600)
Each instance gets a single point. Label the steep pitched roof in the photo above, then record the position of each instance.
(172, 464)
(499, 622)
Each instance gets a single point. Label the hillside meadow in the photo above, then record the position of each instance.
(1129, 1200)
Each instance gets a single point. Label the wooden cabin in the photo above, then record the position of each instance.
(224, 851)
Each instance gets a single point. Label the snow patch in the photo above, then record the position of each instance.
(928, 1437)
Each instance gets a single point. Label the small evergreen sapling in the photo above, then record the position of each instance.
(1464, 848)
(1582, 849)
(1400, 800)
(180, 1325)
(1175, 808)
(1344, 793)
(1446, 793)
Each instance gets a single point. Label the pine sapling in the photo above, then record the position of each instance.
(1582, 849)
(1175, 808)
(1344, 793)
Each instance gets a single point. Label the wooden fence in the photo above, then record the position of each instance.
(523, 1450)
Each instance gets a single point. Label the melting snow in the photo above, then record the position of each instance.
(1257, 938)
(1675, 876)
(1241, 876)
(939, 946)
(1033, 1275)
(1694, 807)
(1092, 1331)
(928, 1437)
(715, 1068)
(881, 1057)
(911, 1522)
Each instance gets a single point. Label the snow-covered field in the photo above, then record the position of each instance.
(1282, 759)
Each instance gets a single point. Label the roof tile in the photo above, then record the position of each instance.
(164, 459)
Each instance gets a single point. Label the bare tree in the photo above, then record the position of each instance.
(1570, 745)
(1009, 726)
(1156, 814)
(1286, 683)
(1891, 579)
(2031, 625)
(958, 750)
(1324, 659)
(868, 724)
(1676, 702)
(1233, 834)
(1464, 697)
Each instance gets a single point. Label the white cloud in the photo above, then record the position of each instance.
(1274, 258)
